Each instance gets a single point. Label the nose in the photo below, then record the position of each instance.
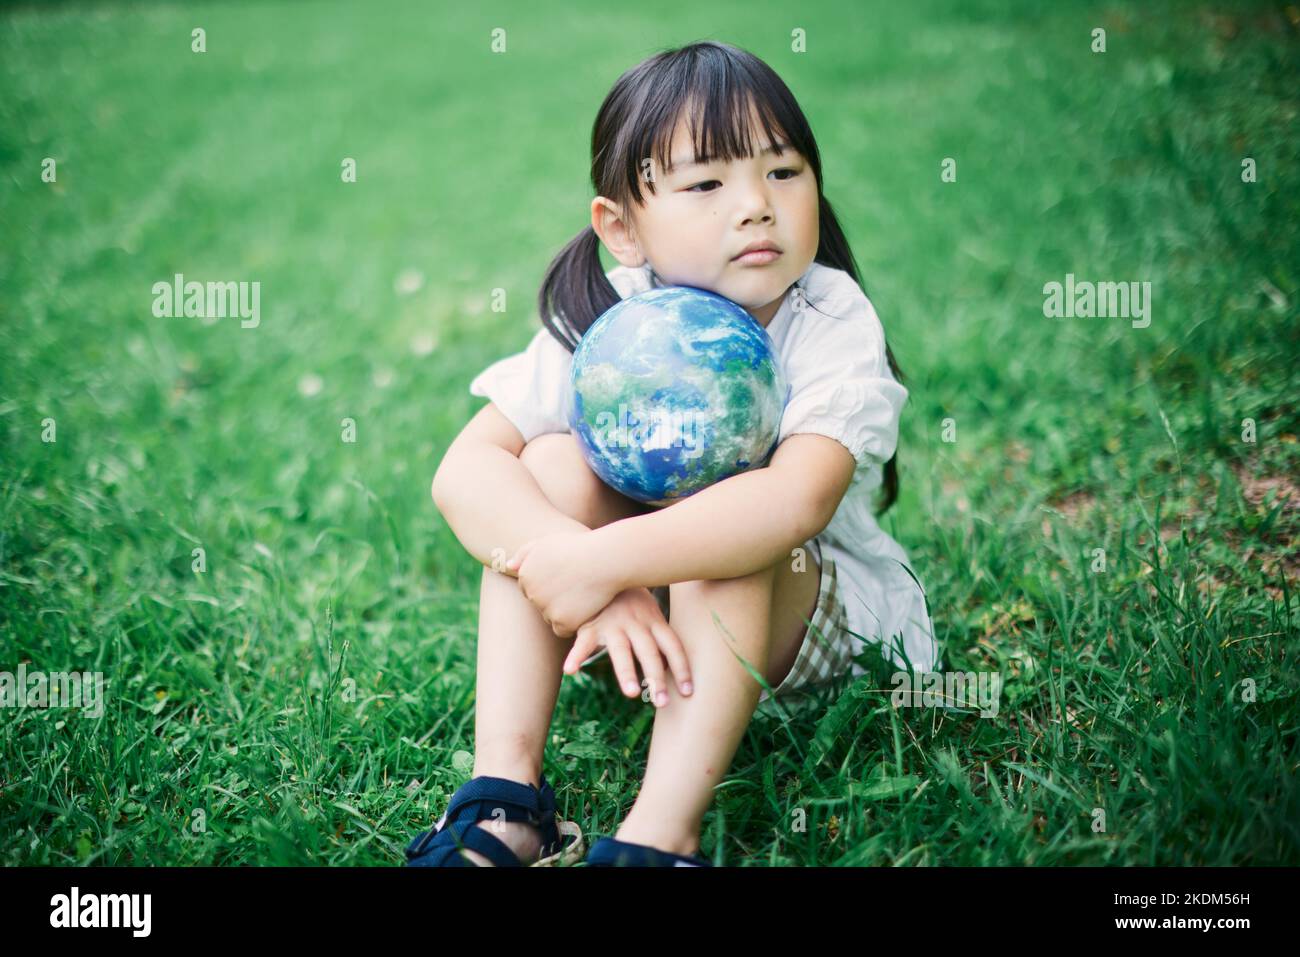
(755, 206)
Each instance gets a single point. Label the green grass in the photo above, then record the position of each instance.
(311, 693)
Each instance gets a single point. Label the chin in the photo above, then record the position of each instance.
(763, 289)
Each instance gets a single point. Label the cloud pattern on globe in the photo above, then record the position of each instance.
(674, 389)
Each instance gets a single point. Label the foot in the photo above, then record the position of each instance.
(522, 839)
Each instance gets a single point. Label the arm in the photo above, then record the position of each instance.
(738, 526)
(488, 497)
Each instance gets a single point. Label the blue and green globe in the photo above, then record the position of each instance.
(674, 389)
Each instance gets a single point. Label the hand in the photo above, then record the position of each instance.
(566, 576)
(633, 622)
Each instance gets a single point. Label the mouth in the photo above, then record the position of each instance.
(758, 257)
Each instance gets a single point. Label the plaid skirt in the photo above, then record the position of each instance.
(828, 647)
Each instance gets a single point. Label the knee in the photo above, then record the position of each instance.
(557, 465)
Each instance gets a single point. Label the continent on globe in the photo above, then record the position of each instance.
(675, 389)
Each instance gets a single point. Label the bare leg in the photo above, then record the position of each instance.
(695, 738)
(519, 657)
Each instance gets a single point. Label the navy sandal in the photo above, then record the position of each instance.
(608, 852)
(488, 798)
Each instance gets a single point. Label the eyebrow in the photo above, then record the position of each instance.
(687, 162)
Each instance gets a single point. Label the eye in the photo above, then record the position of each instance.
(785, 169)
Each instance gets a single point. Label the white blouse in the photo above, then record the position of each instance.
(831, 346)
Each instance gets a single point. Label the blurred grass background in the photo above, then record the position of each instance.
(308, 698)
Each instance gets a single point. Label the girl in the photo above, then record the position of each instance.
(706, 174)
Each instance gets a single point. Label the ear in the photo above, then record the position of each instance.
(615, 232)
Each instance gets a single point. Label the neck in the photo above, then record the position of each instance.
(765, 314)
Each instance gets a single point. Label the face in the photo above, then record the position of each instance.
(693, 228)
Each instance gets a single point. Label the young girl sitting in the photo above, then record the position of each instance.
(706, 174)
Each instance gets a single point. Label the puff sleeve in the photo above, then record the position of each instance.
(840, 383)
(531, 388)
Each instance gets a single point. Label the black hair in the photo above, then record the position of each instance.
(715, 84)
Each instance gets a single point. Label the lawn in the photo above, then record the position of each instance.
(1104, 513)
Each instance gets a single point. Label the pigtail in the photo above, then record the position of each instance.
(575, 291)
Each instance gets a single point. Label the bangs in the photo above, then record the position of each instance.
(721, 131)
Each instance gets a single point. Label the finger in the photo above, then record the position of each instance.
(652, 664)
(620, 656)
(675, 652)
(583, 646)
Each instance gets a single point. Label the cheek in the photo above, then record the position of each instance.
(802, 204)
(809, 211)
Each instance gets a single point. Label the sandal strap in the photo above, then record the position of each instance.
(552, 840)
(499, 799)
(610, 852)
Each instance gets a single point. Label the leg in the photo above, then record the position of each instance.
(519, 658)
(695, 738)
